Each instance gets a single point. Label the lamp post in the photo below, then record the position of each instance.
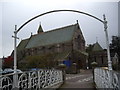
(15, 79)
(107, 43)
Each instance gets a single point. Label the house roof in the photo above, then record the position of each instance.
(55, 36)
(84, 53)
(62, 55)
(97, 47)
(22, 44)
(40, 29)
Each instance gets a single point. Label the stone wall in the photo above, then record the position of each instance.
(100, 57)
(49, 49)
(78, 41)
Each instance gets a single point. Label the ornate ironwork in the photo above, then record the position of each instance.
(32, 80)
(106, 79)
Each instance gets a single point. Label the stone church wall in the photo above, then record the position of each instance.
(78, 41)
(49, 49)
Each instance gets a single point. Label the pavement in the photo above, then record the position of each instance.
(83, 80)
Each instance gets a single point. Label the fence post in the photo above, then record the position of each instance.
(64, 76)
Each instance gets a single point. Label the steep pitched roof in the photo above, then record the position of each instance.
(40, 29)
(22, 44)
(55, 36)
(97, 47)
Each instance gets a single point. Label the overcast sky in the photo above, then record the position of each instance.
(17, 12)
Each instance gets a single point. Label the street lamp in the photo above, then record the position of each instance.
(107, 43)
(15, 79)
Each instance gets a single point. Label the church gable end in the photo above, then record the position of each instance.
(78, 39)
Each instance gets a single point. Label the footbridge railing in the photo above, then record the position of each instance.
(33, 80)
(106, 79)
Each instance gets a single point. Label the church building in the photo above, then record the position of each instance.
(68, 41)
(97, 54)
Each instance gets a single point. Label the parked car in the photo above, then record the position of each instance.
(1, 70)
(34, 69)
(9, 70)
(3, 73)
(19, 71)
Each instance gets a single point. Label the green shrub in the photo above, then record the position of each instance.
(40, 61)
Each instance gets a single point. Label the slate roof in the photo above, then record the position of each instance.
(40, 29)
(55, 36)
(62, 55)
(97, 47)
(22, 44)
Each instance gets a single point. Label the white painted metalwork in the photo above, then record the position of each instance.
(34, 80)
(107, 43)
(106, 79)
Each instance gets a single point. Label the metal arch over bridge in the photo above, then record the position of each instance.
(102, 21)
(57, 11)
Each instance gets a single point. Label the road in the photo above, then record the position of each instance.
(82, 80)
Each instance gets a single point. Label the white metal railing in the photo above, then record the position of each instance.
(32, 80)
(106, 79)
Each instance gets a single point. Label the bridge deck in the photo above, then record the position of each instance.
(81, 80)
